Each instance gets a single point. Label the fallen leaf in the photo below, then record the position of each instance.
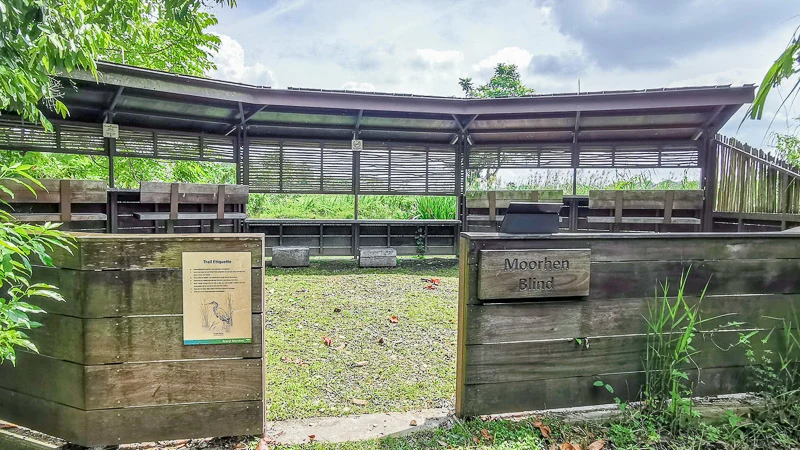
(311, 437)
(337, 310)
(360, 364)
(597, 445)
(328, 341)
(394, 319)
(340, 347)
(413, 423)
(380, 340)
(543, 428)
(486, 435)
(430, 287)
(442, 443)
(476, 440)
(553, 447)
(569, 446)
(358, 401)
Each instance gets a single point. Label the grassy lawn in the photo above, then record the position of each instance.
(372, 364)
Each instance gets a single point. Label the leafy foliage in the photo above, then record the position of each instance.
(22, 245)
(40, 39)
(505, 82)
(782, 69)
(788, 146)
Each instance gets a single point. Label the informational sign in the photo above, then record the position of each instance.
(111, 130)
(522, 274)
(216, 298)
(356, 145)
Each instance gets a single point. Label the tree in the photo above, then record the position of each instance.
(41, 39)
(22, 245)
(504, 83)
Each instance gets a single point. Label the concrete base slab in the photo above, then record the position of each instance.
(290, 257)
(377, 257)
(355, 428)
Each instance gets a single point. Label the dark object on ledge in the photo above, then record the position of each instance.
(529, 217)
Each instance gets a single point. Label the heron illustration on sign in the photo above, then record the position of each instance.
(218, 316)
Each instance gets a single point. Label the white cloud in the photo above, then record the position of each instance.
(513, 55)
(359, 86)
(439, 57)
(231, 65)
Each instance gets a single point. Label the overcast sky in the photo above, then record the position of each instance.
(423, 47)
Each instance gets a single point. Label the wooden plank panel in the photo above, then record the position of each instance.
(658, 247)
(83, 191)
(46, 378)
(130, 339)
(172, 382)
(115, 293)
(525, 274)
(155, 192)
(129, 425)
(645, 199)
(131, 251)
(514, 322)
(564, 358)
(498, 398)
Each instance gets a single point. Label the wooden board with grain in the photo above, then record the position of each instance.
(547, 352)
(533, 274)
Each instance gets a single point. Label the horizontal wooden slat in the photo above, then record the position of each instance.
(645, 199)
(115, 293)
(130, 339)
(480, 199)
(134, 384)
(133, 251)
(564, 358)
(46, 378)
(648, 220)
(562, 319)
(56, 217)
(83, 191)
(567, 392)
(128, 425)
(174, 382)
(659, 246)
(188, 216)
(155, 192)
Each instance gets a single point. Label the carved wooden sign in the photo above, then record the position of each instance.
(522, 274)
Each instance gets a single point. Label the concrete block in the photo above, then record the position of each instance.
(377, 257)
(290, 257)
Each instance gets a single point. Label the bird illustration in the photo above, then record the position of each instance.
(221, 314)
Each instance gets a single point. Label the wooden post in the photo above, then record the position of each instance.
(492, 196)
(65, 197)
(710, 185)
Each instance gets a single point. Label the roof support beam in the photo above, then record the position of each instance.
(708, 122)
(357, 127)
(109, 112)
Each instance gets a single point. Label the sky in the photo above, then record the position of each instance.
(424, 47)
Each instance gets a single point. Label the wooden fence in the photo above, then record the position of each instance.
(519, 354)
(114, 367)
(750, 180)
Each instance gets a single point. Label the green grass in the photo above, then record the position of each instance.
(334, 206)
(391, 366)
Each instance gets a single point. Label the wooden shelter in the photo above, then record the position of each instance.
(299, 140)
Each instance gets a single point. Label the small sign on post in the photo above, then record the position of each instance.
(111, 130)
(216, 298)
(357, 145)
(522, 274)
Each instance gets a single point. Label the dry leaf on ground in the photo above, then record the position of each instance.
(311, 437)
(358, 401)
(328, 341)
(543, 428)
(394, 319)
(262, 444)
(486, 435)
(597, 445)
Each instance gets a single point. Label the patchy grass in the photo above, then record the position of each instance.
(371, 364)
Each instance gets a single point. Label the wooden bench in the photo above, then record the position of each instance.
(663, 205)
(55, 203)
(496, 202)
(176, 194)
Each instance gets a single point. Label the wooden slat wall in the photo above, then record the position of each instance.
(753, 181)
(519, 356)
(113, 368)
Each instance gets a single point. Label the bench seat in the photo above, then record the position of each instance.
(188, 215)
(645, 220)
